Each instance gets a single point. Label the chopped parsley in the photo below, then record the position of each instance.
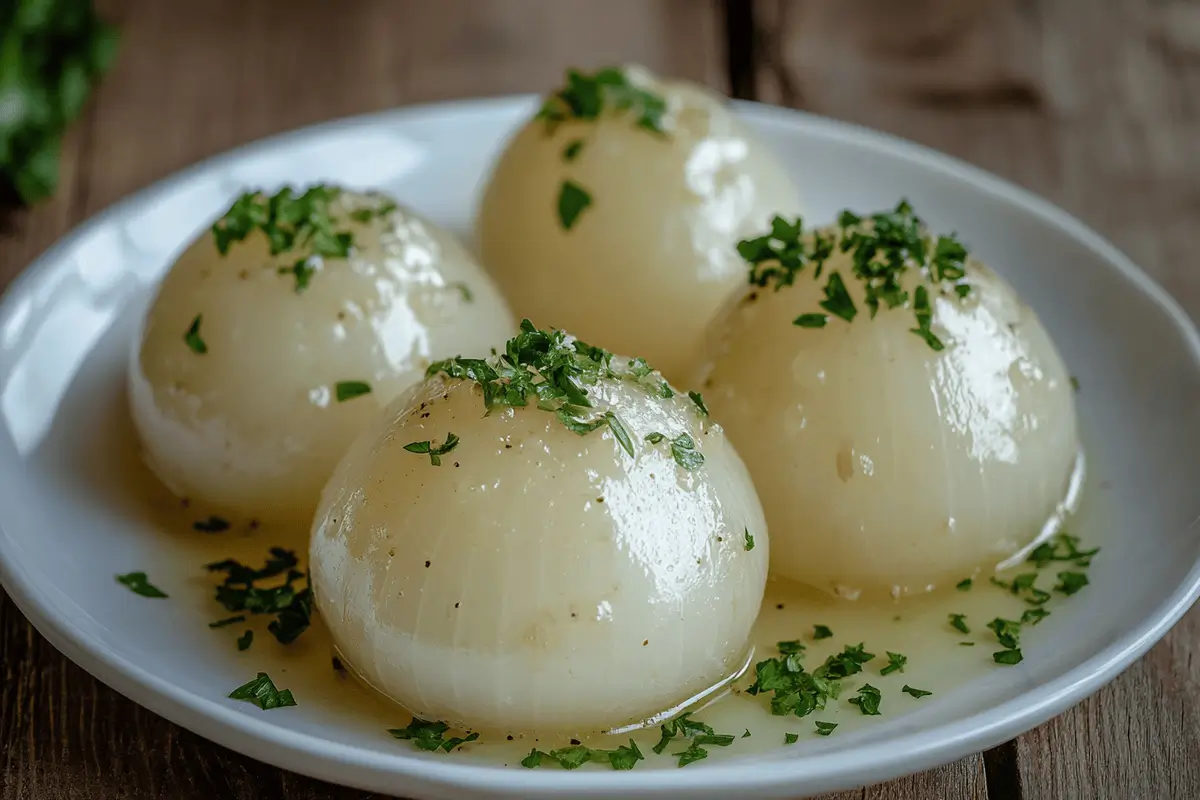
(867, 700)
(790, 647)
(1033, 616)
(821, 632)
(748, 543)
(746, 734)
(211, 525)
(824, 728)
(1074, 383)
(549, 368)
(426, 735)
(221, 623)
(1062, 547)
(959, 623)
(1008, 634)
(241, 592)
(1071, 582)
(1008, 657)
(348, 390)
(917, 693)
(683, 450)
(882, 247)
(585, 97)
(794, 690)
(698, 399)
(964, 585)
(844, 664)
(296, 224)
(791, 738)
(262, 692)
(1024, 584)
(573, 199)
(435, 453)
(192, 338)
(244, 641)
(896, 663)
(622, 758)
(139, 584)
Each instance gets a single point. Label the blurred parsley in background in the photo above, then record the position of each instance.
(51, 53)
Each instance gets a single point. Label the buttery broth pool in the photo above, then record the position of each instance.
(940, 658)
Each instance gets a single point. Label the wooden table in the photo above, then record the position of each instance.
(1092, 103)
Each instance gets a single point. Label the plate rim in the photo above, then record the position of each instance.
(353, 766)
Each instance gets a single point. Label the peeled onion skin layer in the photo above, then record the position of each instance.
(538, 580)
(885, 467)
(655, 240)
(253, 427)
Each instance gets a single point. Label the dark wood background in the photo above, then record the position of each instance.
(1092, 103)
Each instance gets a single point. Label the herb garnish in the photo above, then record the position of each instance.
(701, 735)
(244, 641)
(584, 98)
(1062, 547)
(1071, 582)
(867, 700)
(192, 337)
(791, 738)
(1033, 616)
(844, 664)
(212, 524)
(550, 368)
(794, 690)
(698, 399)
(825, 728)
(748, 543)
(572, 200)
(882, 247)
(1024, 583)
(139, 584)
(426, 735)
(572, 757)
(917, 693)
(821, 632)
(896, 663)
(1008, 633)
(348, 390)
(959, 623)
(435, 453)
(221, 623)
(964, 584)
(239, 593)
(262, 692)
(300, 224)
(51, 54)
(683, 450)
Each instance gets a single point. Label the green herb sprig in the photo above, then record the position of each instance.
(435, 452)
(431, 736)
(138, 583)
(575, 756)
(701, 735)
(262, 692)
(683, 449)
(51, 55)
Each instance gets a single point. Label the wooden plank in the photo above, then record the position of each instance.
(1097, 107)
(194, 79)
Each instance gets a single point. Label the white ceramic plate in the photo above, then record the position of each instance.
(69, 523)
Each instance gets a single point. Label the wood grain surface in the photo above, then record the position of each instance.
(1092, 103)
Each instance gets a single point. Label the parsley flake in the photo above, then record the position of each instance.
(262, 692)
(964, 585)
(573, 199)
(241, 591)
(139, 584)
(821, 632)
(1071, 582)
(435, 453)
(791, 738)
(959, 623)
(867, 700)
(192, 338)
(572, 150)
(683, 450)
(698, 399)
(243, 641)
(896, 663)
(585, 97)
(1008, 657)
(430, 736)
(298, 224)
(748, 543)
(824, 728)
(621, 758)
(844, 664)
(221, 623)
(917, 693)
(211, 525)
(348, 390)
(1062, 547)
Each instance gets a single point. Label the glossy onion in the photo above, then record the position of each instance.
(883, 464)
(539, 579)
(253, 425)
(647, 262)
